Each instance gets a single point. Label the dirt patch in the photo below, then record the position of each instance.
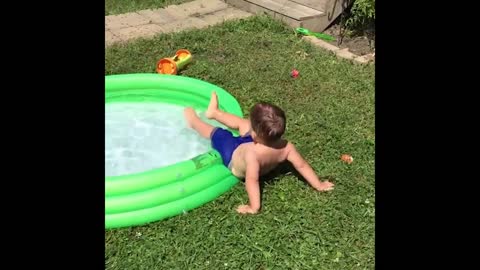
(358, 45)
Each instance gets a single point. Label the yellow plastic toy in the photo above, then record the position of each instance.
(173, 64)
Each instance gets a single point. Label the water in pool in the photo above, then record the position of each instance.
(144, 136)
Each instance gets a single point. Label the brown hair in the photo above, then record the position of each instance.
(268, 121)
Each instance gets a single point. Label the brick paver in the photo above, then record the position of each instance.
(147, 23)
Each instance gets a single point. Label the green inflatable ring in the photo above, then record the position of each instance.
(141, 198)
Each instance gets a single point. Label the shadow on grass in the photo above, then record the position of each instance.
(281, 170)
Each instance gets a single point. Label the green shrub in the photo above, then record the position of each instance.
(360, 18)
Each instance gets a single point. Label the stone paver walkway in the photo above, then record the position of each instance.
(174, 18)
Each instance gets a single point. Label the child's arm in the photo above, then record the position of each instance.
(306, 170)
(251, 184)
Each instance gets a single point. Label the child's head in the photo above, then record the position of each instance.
(268, 122)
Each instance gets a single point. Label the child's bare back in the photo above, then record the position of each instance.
(268, 157)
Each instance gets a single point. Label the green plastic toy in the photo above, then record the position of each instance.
(307, 32)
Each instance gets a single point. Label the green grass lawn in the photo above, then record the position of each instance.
(330, 111)
(113, 7)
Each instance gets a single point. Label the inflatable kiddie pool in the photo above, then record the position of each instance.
(141, 198)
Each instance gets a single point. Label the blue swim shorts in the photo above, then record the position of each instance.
(225, 143)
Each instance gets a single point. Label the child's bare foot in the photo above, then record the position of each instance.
(212, 107)
(190, 115)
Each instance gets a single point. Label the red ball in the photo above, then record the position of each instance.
(294, 73)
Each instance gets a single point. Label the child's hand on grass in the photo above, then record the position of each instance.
(246, 209)
(324, 186)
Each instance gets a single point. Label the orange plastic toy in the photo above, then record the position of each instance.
(173, 64)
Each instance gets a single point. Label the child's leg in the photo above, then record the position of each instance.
(228, 119)
(196, 123)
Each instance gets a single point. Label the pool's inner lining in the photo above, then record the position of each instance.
(141, 136)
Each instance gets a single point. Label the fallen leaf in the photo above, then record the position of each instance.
(347, 158)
